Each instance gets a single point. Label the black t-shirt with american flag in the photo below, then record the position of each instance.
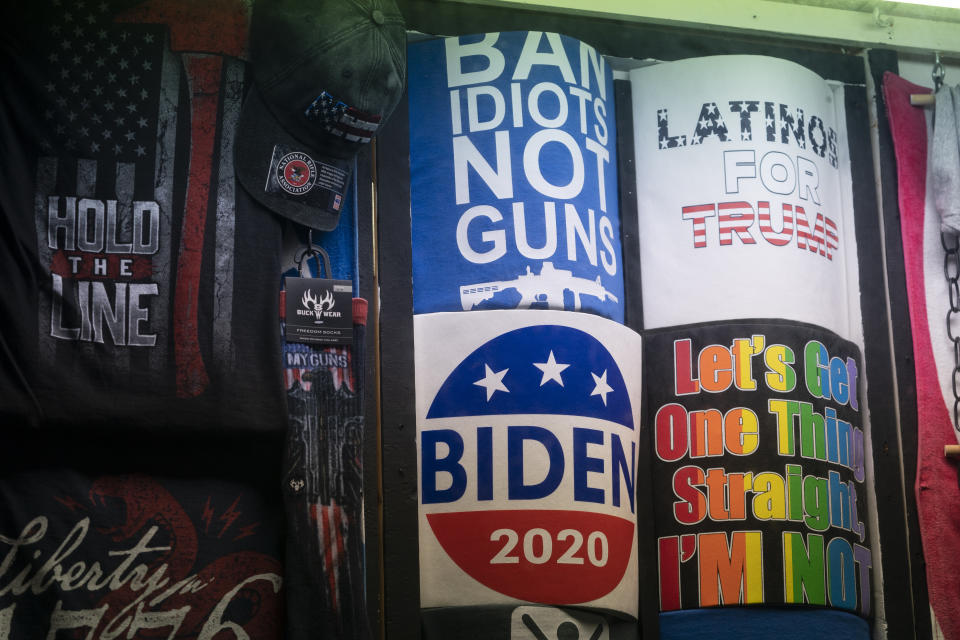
(139, 280)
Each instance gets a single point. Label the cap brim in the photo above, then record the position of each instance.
(259, 136)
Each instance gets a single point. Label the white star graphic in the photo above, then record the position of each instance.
(602, 388)
(551, 370)
(492, 381)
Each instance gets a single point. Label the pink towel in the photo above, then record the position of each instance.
(938, 498)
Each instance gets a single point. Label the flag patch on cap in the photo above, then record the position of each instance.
(342, 120)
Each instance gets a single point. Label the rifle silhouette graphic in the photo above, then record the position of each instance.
(547, 286)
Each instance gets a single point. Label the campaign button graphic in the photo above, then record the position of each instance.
(555, 556)
(540, 369)
(528, 466)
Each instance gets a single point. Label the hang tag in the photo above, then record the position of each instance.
(319, 311)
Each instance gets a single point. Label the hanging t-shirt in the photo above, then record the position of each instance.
(140, 283)
(119, 543)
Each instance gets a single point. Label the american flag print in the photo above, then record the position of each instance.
(709, 124)
(301, 359)
(137, 155)
(342, 120)
(103, 80)
(332, 531)
(745, 108)
(698, 214)
(323, 479)
(101, 106)
(664, 139)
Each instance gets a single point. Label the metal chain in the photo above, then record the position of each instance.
(951, 271)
